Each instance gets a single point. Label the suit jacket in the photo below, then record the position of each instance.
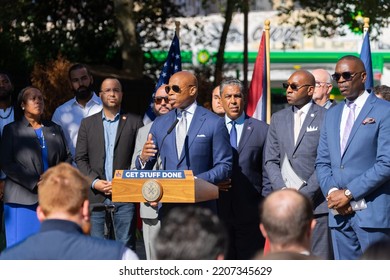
(240, 203)
(64, 240)
(21, 158)
(146, 211)
(364, 168)
(207, 151)
(302, 156)
(90, 148)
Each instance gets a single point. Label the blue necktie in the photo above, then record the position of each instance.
(233, 135)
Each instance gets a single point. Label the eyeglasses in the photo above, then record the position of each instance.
(175, 88)
(320, 84)
(294, 86)
(159, 99)
(347, 76)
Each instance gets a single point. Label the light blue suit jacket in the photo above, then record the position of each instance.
(364, 167)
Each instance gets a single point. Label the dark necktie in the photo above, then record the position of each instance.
(233, 135)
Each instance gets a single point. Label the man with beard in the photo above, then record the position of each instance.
(84, 104)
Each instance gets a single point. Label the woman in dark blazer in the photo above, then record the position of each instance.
(29, 146)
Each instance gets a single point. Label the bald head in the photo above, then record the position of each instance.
(300, 88)
(323, 86)
(183, 89)
(286, 216)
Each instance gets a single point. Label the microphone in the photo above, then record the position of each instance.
(162, 142)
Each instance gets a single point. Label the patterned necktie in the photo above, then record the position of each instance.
(181, 132)
(233, 135)
(348, 125)
(297, 125)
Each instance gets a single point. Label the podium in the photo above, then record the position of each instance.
(173, 186)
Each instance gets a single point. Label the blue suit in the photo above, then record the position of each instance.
(364, 169)
(207, 151)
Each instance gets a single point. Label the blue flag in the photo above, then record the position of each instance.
(171, 66)
(365, 56)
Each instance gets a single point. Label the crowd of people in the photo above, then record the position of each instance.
(312, 184)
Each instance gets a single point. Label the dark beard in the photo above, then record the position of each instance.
(83, 93)
(5, 96)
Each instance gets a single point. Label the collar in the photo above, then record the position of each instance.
(107, 119)
(240, 120)
(305, 109)
(360, 100)
(62, 225)
(191, 109)
(95, 99)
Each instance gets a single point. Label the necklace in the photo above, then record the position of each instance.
(9, 114)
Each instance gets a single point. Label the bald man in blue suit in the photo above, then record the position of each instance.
(206, 150)
(356, 179)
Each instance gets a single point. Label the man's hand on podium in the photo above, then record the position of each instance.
(224, 185)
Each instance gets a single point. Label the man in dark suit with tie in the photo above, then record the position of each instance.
(206, 149)
(292, 140)
(106, 143)
(238, 205)
(353, 163)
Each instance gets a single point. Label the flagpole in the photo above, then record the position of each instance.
(267, 55)
(177, 23)
(366, 25)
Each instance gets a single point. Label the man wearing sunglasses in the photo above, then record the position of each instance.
(353, 163)
(321, 95)
(291, 150)
(149, 212)
(200, 141)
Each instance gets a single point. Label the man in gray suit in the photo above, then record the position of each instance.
(292, 140)
(149, 211)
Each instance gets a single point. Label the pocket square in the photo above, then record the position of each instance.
(200, 135)
(311, 128)
(368, 120)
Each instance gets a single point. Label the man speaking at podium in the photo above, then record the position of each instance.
(199, 142)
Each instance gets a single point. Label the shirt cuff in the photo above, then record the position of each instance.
(93, 183)
(332, 190)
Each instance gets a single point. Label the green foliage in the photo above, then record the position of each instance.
(37, 31)
(329, 17)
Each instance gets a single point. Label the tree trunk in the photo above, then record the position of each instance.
(222, 43)
(132, 55)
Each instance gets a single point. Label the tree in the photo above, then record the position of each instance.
(329, 18)
(109, 32)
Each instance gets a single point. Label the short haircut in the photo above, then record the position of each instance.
(191, 233)
(77, 66)
(286, 216)
(384, 91)
(354, 59)
(62, 188)
(230, 82)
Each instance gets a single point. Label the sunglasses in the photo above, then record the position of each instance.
(175, 88)
(159, 99)
(294, 86)
(347, 76)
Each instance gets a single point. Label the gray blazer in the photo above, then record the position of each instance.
(302, 156)
(146, 211)
(21, 158)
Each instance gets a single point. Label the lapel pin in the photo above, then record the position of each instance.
(123, 117)
(312, 115)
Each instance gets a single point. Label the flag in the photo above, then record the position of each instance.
(171, 66)
(257, 95)
(365, 56)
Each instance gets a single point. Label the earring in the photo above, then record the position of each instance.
(22, 108)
